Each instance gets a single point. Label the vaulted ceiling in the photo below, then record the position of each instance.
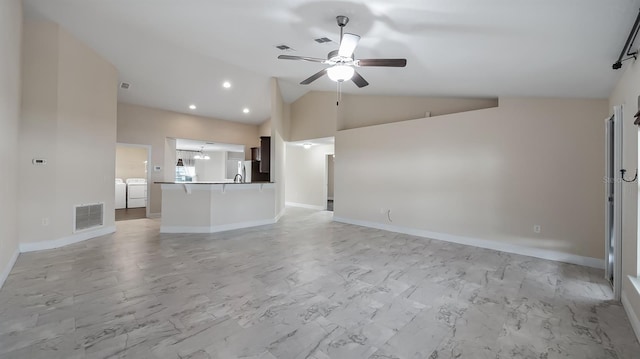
(177, 53)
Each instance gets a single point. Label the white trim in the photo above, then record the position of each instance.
(633, 318)
(64, 241)
(154, 215)
(482, 243)
(617, 201)
(280, 215)
(303, 205)
(215, 229)
(9, 267)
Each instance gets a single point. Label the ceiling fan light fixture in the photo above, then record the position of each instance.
(340, 73)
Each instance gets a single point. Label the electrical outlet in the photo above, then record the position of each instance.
(537, 228)
(45, 221)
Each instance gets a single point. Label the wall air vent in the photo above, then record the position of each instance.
(87, 216)
(125, 85)
(283, 47)
(322, 40)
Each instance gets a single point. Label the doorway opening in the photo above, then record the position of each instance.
(132, 181)
(330, 162)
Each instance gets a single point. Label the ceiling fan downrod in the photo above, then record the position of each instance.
(342, 22)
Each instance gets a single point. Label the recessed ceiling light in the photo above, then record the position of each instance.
(193, 107)
(226, 84)
(306, 145)
(245, 110)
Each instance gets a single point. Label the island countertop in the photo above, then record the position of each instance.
(257, 182)
(209, 207)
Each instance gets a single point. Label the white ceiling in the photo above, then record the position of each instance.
(195, 145)
(177, 53)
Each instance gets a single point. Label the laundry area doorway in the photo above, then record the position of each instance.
(132, 181)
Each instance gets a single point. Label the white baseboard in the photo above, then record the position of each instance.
(280, 215)
(7, 269)
(215, 229)
(303, 205)
(631, 314)
(154, 215)
(482, 243)
(65, 241)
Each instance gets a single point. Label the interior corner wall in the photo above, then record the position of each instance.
(306, 176)
(265, 128)
(626, 93)
(368, 110)
(279, 123)
(151, 126)
(313, 115)
(69, 99)
(487, 175)
(10, 94)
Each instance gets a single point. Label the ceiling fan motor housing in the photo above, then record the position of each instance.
(342, 61)
(342, 20)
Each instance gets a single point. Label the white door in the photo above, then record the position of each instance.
(613, 202)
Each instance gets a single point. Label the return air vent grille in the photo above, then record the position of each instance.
(88, 216)
(125, 85)
(323, 40)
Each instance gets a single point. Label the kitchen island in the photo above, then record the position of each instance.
(209, 207)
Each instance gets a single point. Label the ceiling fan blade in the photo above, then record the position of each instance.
(301, 58)
(314, 77)
(359, 80)
(348, 45)
(382, 62)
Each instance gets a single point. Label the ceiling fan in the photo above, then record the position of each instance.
(342, 63)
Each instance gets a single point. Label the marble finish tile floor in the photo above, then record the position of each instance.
(307, 288)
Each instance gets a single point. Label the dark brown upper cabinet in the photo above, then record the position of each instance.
(265, 154)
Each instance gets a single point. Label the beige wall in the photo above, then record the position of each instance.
(69, 101)
(130, 162)
(265, 128)
(626, 93)
(490, 174)
(150, 126)
(366, 110)
(306, 177)
(313, 115)
(10, 51)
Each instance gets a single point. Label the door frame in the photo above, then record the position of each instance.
(617, 201)
(149, 170)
